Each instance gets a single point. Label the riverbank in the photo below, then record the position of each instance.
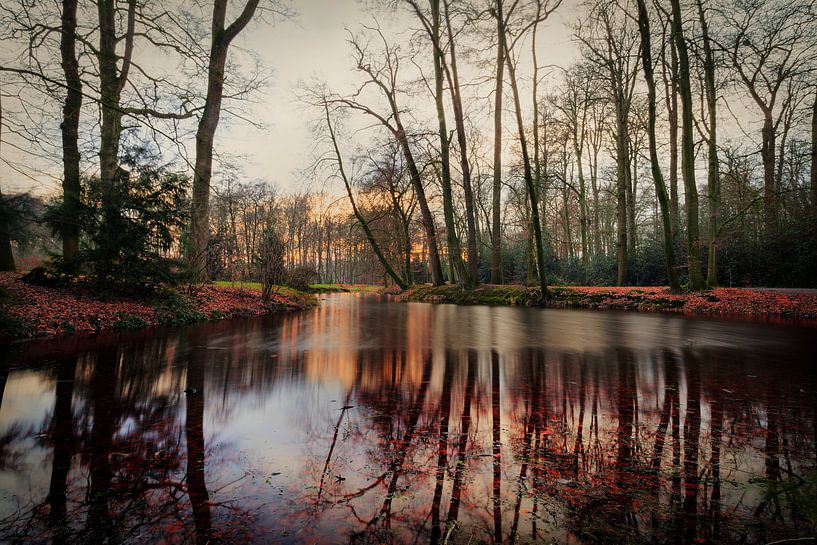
(28, 311)
(313, 288)
(743, 302)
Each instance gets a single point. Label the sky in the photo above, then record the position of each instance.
(314, 46)
(308, 47)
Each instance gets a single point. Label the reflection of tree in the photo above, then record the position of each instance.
(442, 446)
(117, 407)
(462, 444)
(194, 431)
(62, 436)
(496, 447)
(692, 433)
(396, 467)
(106, 414)
(620, 446)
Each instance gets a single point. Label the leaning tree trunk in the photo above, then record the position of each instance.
(358, 215)
(425, 211)
(71, 189)
(696, 280)
(496, 218)
(713, 174)
(658, 177)
(205, 134)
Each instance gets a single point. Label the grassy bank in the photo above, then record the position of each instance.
(38, 311)
(313, 288)
(753, 303)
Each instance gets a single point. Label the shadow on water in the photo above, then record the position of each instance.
(367, 421)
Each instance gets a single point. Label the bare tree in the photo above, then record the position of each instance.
(713, 165)
(432, 24)
(364, 223)
(542, 11)
(222, 37)
(452, 76)
(496, 208)
(610, 42)
(769, 44)
(384, 76)
(658, 177)
(696, 280)
(71, 188)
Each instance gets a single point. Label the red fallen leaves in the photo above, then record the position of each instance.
(50, 311)
(757, 303)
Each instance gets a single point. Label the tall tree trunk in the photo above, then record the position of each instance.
(496, 239)
(528, 175)
(71, 190)
(6, 253)
(675, 215)
(112, 80)
(630, 188)
(425, 210)
(205, 134)
(578, 147)
(713, 174)
(767, 152)
(459, 121)
(454, 250)
(658, 177)
(696, 280)
(814, 163)
(622, 152)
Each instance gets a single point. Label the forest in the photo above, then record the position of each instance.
(408, 271)
(676, 148)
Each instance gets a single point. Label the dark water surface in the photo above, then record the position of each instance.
(368, 421)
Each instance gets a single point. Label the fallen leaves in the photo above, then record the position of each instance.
(48, 311)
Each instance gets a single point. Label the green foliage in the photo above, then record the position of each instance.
(176, 308)
(797, 494)
(13, 327)
(131, 223)
(17, 214)
(128, 321)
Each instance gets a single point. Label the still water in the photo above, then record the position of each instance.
(370, 421)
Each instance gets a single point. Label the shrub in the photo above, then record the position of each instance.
(300, 278)
(270, 262)
(175, 308)
(128, 321)
(131, 222)
(14, 327)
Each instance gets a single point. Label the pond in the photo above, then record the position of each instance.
(368, 421)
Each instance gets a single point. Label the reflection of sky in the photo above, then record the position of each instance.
(275, 388)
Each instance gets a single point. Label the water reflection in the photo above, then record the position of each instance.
(365, 421)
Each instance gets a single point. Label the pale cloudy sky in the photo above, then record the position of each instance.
(312, 46)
